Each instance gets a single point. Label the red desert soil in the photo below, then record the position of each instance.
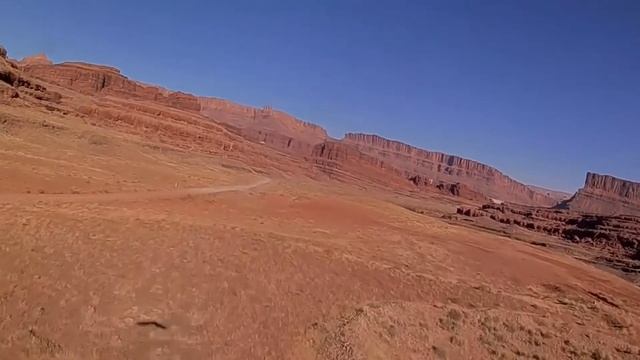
(137, 230)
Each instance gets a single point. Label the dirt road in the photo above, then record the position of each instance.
(127, 196)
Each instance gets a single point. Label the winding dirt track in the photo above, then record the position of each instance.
(127, 196)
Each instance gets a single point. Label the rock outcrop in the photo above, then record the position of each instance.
(346, 163)
(611, 186)
(14, 84)
(618, 235)
(371, 158)
(338, 154)
(443, 168)
(104, 80)
(8, 79)
(265, 125)
(100, 96)
(605, 195)
(556, 195)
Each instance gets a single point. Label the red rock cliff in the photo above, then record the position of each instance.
(371, 157)
(266, 120)
(15, 85)
(438, 167)
(606, 195)
(104, 80)
(612, 186)
(266, 126)
(339, 154)
(263, 125)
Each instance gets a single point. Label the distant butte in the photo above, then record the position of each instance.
(606, 195)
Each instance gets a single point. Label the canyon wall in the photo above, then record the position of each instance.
(344, 155)
(345, 162)
(613, 187)
(265, 124)
(15, 85)
(92, 79)
(619, 235)
(102, 97)
(438, 167)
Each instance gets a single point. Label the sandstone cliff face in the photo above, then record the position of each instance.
(104, 80)
(15, 85)
(606, 195)
(263, 120)
(372, 158)
(339, 154)
(346, 163)
(275, 140)
(265, 126)
(9, 77)
(452, 189)
(611, 186)
(439, 167)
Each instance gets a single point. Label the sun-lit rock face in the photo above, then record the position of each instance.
(373, 157)
(105, 80)
(606, 195)
(441, 167)
(267, 125)
(612, 186)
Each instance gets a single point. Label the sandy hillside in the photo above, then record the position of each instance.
(107, 254)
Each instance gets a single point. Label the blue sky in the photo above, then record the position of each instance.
(543, 90)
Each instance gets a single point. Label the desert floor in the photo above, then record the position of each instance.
(114, 248)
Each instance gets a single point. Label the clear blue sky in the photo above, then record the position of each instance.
(543, 90)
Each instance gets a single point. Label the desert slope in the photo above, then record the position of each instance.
(265, 125)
